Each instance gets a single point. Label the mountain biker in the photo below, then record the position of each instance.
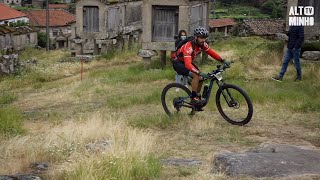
(183, 57)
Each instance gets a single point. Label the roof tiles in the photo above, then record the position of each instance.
(57, 17)
(265, 26)
(59, 6)
(214, 23)
(7, 13)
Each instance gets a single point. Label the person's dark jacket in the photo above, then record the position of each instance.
(177, 42)
(296, 37)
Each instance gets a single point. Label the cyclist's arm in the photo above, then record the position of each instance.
(189, 66)
(187, 58)
(211, 53)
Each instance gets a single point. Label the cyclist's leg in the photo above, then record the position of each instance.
(180, 68)
(178, 78)
(199, 80)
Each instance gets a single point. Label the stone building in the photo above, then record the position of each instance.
(221, 25)
(17, 37)
(10, 15)
(162, 20)
(260, 27)
(103, 24)
(60, 25)
(35, 3)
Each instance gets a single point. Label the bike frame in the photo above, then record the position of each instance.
(219, 83)
(210, 89)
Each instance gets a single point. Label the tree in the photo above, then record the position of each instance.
(72, 6)
(273, 7)
(18, 23)
(42, 39)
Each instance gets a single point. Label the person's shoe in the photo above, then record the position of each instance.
(297, 80)
(277, 78)
(199, 109)
(197, 101)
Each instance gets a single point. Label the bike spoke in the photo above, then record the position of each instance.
(234, 105)
(177, 101)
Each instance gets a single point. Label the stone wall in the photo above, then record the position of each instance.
(106, 38)
(8, 64)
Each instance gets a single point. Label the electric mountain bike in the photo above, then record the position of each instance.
(233, 103)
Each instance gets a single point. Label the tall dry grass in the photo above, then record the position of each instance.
(65, 144)
(129, 116)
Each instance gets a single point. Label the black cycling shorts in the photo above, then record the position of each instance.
(181, 69)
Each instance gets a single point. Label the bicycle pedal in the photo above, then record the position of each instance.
(193, 112)
(199, 109)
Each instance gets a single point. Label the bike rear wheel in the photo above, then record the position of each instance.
(234, 104)
(175, 98)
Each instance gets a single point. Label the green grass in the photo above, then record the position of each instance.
(115, 167)
(127, 100)
(248, 47)
(234, 135)
(47, 69)
(299, 97)
(7, 98)
(161, 121)
(186, 171)
(134, 74)
(238, 12)
(10, 121)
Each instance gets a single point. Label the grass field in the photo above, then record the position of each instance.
(237, 12)
(49, 115)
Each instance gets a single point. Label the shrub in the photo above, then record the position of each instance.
(10, 121)
(311, 46)
(273, 7)
(7, 98)
(129, 166)
(42, 39)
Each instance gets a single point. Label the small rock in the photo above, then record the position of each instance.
(311, 55)
(145, 53)
(7, 178)
(281, 36)
(98, 146)
(40, 166)
(20, 177)
(181, 162)
(27, 177)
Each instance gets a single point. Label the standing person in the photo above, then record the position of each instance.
(296, 38)
(183, 57)
(180, 78)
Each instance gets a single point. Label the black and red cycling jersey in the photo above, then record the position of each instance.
(188, 52)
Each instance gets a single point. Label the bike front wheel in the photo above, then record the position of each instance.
(234, 104)
(176, 99)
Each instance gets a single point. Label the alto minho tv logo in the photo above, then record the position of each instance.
(301, 16)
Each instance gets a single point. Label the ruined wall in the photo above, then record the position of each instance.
(21, 41)
(185, 18)
(8, 64)
(114, 20)
(18, 41)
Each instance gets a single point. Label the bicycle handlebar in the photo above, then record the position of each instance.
(220, 68)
